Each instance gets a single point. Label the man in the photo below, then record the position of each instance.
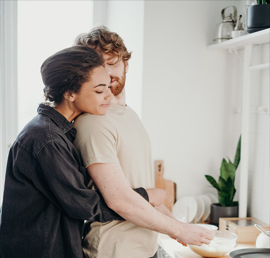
(117, 153)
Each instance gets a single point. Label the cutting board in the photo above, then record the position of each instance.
(167, 185)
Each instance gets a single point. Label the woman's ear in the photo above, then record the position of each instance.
(69, 96)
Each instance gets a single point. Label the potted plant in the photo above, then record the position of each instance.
(226, 207)
(258, 16)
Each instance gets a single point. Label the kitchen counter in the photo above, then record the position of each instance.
(176, 250)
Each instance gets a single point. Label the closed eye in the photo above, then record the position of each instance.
(112, 63)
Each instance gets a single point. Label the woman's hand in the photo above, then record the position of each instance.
(156, 196)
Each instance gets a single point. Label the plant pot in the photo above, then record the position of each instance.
(258, 17)
(218, 211)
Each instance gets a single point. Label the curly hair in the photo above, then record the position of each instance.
(102, 39)
(67, 70)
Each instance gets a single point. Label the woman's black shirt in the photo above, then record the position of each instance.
(46, 199)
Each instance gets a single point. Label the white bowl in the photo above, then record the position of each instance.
(223, 242)
(263, 241)
(208, 226)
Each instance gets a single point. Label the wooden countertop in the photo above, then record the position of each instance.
(176, 250)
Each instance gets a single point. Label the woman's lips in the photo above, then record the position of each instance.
(106, 105)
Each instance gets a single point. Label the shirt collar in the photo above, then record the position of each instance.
(58, 118)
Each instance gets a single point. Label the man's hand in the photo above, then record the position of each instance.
(194, 235)
(156, 196)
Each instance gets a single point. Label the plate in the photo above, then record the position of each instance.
(185, 209)
(212, 197)
(207, 206)
(200, 209)
(251, 253)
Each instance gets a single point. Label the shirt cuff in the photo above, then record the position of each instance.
(141, 191)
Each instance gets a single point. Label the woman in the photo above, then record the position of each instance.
(46, 199)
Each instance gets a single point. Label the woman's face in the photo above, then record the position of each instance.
(95, 95)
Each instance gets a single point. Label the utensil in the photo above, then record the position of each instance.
(250, 252)
(261, 229)
(167, 185)
(224, 29)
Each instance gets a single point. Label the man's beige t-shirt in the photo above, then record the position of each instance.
(118, 137)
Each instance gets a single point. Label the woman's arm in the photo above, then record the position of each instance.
(61, 180)
(118, 195)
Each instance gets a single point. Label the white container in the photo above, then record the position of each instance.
(238, 33)
(208, 226)
(223, 242)
(263, 241)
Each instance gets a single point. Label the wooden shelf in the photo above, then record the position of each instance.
(259, 37)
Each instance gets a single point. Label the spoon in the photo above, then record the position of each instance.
(261, 229)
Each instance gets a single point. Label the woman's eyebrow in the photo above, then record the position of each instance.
(100, 85)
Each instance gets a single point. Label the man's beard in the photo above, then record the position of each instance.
(119, 84)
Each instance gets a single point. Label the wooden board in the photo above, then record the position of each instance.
(167, 185)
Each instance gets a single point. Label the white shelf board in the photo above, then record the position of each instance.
(259, 37)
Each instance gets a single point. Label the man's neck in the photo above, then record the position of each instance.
(120, 99)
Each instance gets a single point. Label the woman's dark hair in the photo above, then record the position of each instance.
(67, 70)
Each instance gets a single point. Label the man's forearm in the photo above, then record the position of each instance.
(163, 209)
(118, 195)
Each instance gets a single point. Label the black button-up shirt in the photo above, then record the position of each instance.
(46, 199)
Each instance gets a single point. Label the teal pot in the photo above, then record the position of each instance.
(218, 211)
(258, 17)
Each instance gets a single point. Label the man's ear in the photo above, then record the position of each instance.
(126, 66)
(69, 96)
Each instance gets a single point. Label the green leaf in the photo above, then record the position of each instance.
(231, 171)
(231, 189)
(223, 171)
(227, 170)
(223, 198)
(237, 156)
(222, 184)
(212, 181)
(227, 191)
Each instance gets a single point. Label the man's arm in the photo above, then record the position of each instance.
(118, 195)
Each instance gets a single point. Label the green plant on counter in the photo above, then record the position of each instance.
(225, 184)
(263, 1)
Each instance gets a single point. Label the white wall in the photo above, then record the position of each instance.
(186, 93)
(8, 83)
(126, 18)
(191, 96)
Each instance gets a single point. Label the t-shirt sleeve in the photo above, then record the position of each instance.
(96, 139)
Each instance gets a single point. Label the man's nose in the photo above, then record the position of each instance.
(109, 95)
(108, 69)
